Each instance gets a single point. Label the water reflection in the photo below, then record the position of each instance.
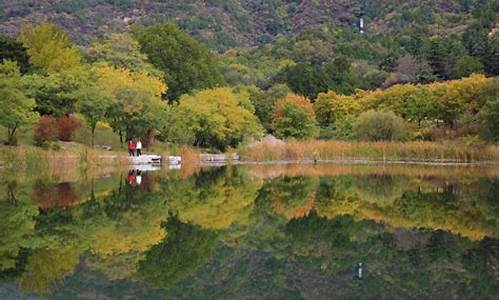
(277, 232)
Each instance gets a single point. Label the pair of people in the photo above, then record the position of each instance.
(134, 149)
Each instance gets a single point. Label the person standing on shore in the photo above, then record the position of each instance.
(131, 148)
(138, 147)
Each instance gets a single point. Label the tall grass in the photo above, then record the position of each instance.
(190, 161)
(373, 151)
(37, 161)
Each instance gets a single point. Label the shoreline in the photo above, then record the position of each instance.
(76, 156)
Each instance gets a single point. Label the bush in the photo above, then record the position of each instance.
(67, 125)
(45, 131)
(487, 119)
(380, 126)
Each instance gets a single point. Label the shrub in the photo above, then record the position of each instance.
(380, 126)
(46, 130)
(488, 120)
(67, 125)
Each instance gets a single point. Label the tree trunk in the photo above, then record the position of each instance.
(121, 136)
(11, 133)
(93, 134)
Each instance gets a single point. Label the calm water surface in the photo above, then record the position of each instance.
(251, 232)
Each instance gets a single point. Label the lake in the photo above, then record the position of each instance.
(251, 232)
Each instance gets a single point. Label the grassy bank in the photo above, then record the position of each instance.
(70, 156)
(373, 151)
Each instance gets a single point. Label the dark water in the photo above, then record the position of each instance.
(255, 232)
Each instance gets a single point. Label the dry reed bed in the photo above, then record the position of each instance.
(373, 151)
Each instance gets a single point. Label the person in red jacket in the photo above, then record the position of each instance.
(131, 148)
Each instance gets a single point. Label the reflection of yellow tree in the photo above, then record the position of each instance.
(292, 197)
(47, 267)
(225, 205)
(223, 200)
(415, 210)
(134, 231)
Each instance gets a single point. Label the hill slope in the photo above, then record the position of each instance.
(223, 24)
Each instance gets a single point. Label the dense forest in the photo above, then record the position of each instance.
(215, 73)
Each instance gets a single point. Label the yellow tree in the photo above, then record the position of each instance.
(137, 105)
(214, 118)
(49, 48)
(331, 106)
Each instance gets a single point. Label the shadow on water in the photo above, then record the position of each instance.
(277, 232)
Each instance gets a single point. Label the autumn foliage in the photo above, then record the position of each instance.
(293, 117)
(66, 126)
(291, 99)
(45, 130)
(50, 129)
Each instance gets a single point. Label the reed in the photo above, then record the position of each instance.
(191, 163)
(190, 155)
(418, 151)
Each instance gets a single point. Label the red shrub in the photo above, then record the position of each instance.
(45, 130)
(67, 125)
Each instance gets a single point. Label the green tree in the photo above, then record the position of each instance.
(293, 117)
(380, 126)
(10, 49)
(263, 101)
(93, 103)
(465, 66)
(187, 64)
(49, 48)
(306, 80)
(488, 120)
(55, 92)
(16, 107)
(482, 46)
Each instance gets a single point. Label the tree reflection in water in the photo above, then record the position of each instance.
(226, 233)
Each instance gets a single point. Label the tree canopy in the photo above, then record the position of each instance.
(49, 48)
(214, 118)
(187, 64)
(16, 107)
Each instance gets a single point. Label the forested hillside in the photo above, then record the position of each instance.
(228, 23)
